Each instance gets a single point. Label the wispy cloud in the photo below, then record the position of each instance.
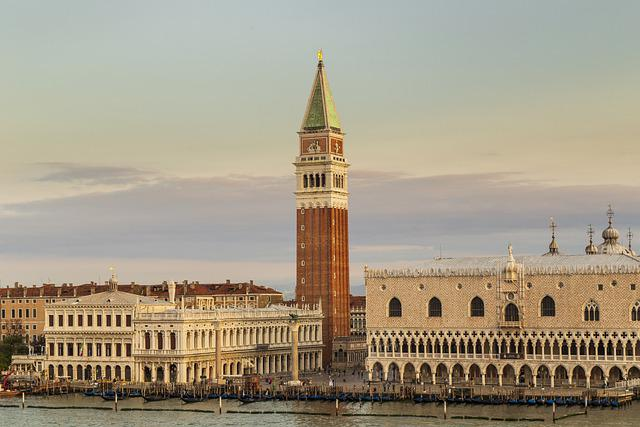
(248, 220)
(80, 174)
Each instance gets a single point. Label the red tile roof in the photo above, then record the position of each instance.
(189, 289)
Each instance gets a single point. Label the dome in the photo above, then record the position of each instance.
(613, 248)
(610, 233)
(610, 246)
(591, 249)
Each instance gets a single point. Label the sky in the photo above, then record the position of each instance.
(158, 136)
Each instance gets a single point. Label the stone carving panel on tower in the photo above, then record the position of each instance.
(336, 146)
(313, 145)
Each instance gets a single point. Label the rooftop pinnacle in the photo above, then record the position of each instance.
(321, 114)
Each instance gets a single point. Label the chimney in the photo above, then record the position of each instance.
(228, 282)
(172, 292)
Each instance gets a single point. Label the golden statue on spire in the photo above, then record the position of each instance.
(319, 55)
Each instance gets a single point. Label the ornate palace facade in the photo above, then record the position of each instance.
(119, 335)
(22, 307)
(550, 320)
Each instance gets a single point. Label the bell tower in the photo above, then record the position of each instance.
(322, 225)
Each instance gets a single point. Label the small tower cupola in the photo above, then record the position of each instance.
(553, 246)
(113, 281)
(591, 249)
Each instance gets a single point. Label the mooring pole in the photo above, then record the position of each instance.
(115, 402)
(23, 400)
(554, 411)
(585, 404)
(220, 404)
(445, 408)
(337, 406)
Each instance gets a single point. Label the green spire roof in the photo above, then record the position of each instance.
(321, 111)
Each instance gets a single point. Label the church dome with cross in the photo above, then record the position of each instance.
(610, 245)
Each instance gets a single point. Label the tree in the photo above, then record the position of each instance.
(10, 345)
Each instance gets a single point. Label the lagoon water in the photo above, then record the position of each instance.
(403, 411)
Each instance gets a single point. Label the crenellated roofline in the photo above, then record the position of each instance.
(531, 265)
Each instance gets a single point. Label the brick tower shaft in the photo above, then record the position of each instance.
(322, 219)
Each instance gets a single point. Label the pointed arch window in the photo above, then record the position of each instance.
(477, 307)
(435, 307)
(547, 307)
(591, 312)
(635, 312)
(395, 308)
(306, 181)
(511, 313)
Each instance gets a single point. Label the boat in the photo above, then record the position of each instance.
(91, 393)
(229, 396)
(6, 394)
(154, 397)
(353, 398)
(134, 393)
(111, 395)
(189, 398)
(248, 399)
